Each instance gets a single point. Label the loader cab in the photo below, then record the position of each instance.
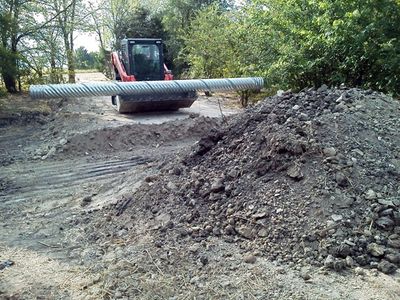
(143, 58)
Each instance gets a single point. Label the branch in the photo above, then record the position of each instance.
(29, 32)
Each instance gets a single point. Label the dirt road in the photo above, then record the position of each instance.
(60, 173)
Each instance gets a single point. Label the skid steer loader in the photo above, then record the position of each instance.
(141, 59)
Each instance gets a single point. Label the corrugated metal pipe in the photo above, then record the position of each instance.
(143, 87)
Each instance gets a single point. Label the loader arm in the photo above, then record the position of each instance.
(119, 67)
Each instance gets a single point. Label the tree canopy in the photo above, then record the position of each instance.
(291, 43)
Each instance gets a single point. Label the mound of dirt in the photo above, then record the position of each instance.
(127, 137)
(20, 109)
(307, 178)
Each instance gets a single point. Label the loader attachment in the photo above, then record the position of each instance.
(153, 102)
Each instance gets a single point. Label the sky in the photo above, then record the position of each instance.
(87, 40)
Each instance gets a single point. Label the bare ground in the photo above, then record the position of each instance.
(62, 168)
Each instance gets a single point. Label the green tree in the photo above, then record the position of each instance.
(19, 30)
(84, 59)
(353, 42)
(177, 17)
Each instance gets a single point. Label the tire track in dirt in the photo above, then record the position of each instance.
(26, 181)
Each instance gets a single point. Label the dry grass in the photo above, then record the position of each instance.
(35, 274)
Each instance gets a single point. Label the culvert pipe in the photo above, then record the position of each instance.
(143, 87)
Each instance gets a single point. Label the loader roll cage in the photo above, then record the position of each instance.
(143, 58)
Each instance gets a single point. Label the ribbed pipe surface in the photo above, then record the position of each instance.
(143, 87)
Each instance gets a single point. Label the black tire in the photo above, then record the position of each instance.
(116, 78)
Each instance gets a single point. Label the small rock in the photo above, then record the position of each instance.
(385, 223)
(359, 271)
(343, 250)
(249, 259)
(280, 270)
(362, 260)
(216, 231)
(296, 107)
(63, 142)
(229, 230)
(345, 202)
(322, 88)
(341, 107)
(6, 264)
(337, 218)
(163, 219)
(376, 250)
(305, 273)
(349, 261)
(386, 212)
(370, 195)
(295, 172)
(339, 264)
(204, 260)
(263, 232)
(51, 153)
(330, 151)
(303, 117)
(258, 216)
(194, 248)
(171, 186)
(329, 261)
(176, 171)
(341, 179)
(217, 186)
(386, 202)
(387, 267)
(194, 280)
(244, 231)
(86, 200)
(395, 243)
(393, 258)
(280, 93)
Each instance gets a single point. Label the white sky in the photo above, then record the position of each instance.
(87, 40)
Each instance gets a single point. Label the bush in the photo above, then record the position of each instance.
(296, 43)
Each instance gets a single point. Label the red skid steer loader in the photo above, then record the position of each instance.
(142, 60)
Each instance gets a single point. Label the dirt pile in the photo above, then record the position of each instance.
(307, 178)
(133, 135)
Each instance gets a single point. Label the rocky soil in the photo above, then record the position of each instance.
(307, 179)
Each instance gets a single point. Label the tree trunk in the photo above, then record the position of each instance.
(71, 66)
(9, 74)
(10, 82)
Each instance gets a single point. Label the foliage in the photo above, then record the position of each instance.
(291, 43)
(333, 42)
(176, 19)
(297, 43)
(85, 60)
(224, 44)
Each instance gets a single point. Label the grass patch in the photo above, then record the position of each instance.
(3, 92)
